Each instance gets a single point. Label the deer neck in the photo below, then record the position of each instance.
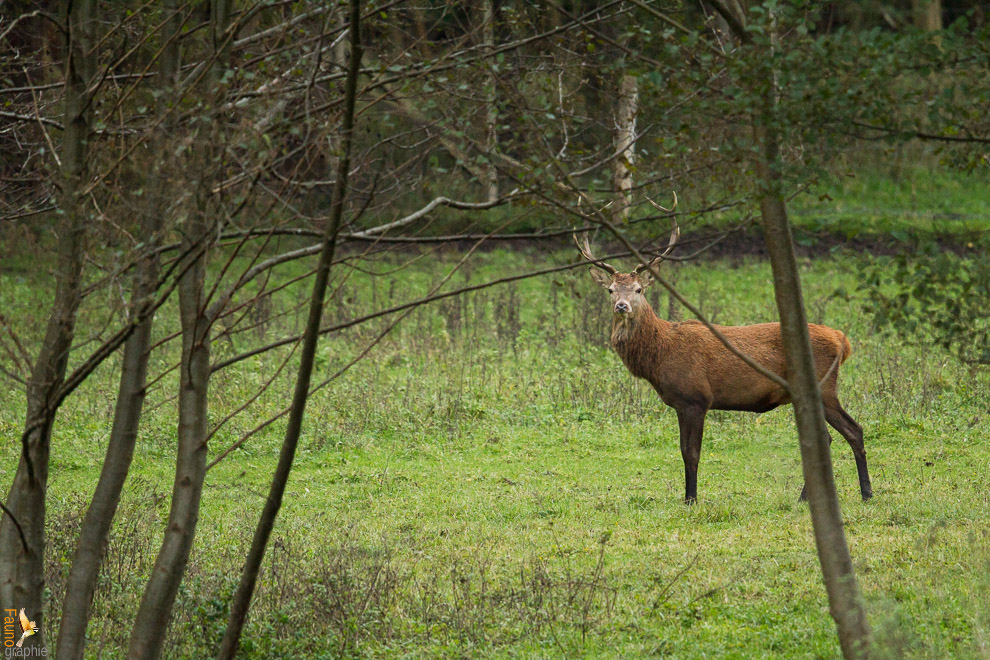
(640, 341)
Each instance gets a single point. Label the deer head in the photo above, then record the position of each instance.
(626, 289)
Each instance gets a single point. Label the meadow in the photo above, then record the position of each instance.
(490, 482)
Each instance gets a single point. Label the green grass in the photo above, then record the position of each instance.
(897, 200)
(888, 194)
(491, 482)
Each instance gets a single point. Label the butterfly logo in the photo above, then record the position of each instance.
(28, 628)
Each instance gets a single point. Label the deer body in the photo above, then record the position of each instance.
(686, 364)
(694, 372)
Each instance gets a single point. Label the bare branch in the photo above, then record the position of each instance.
(397, 308)
(33, 14)
(672, 22)
(283, 28)
(360, 356)
(921, 135)
(31, 119)
(439, 201)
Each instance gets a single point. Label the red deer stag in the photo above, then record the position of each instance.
(693, 372)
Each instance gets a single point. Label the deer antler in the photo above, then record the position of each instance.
(675, 235)
(586, 253)
(670, 210)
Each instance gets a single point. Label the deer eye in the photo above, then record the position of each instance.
(639, 289)
(611, 289)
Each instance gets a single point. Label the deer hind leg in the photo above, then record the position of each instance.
(842, 422)
(692, 425)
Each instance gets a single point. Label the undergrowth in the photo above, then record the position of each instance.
(490, 481)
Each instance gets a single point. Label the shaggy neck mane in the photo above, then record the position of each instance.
(640, 341)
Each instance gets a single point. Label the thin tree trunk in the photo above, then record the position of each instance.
(152, 619)
(625, 133)
(151, 622)
(845, 600)
(85, 570)
(927, 14)
(491, 110)
(241, 603)
(219, 20)
(22, 568)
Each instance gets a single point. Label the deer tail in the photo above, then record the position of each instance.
(847, 349)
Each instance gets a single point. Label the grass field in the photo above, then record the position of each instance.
(491, 482)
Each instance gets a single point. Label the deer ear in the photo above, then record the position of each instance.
(645, 278)
(602, 278)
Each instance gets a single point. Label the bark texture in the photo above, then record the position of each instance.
(625, 134)
(927, 14)
(82, 580)
(151, 622)
(491, 110)
(22, 568)
(84, 573)
(845, 600)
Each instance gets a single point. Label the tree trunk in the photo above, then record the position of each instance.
(153, 614)
(219, 20)
(845, 601)
(625, 133)
(927, 14)
(22, 571)
(723, 33)
(491, 110)
(85, 570)
(241, 603)
(151, 622)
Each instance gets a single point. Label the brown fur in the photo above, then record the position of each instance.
(693, 372)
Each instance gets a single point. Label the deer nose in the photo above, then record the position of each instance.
(622, 307)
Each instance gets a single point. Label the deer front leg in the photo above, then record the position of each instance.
(691, 420)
